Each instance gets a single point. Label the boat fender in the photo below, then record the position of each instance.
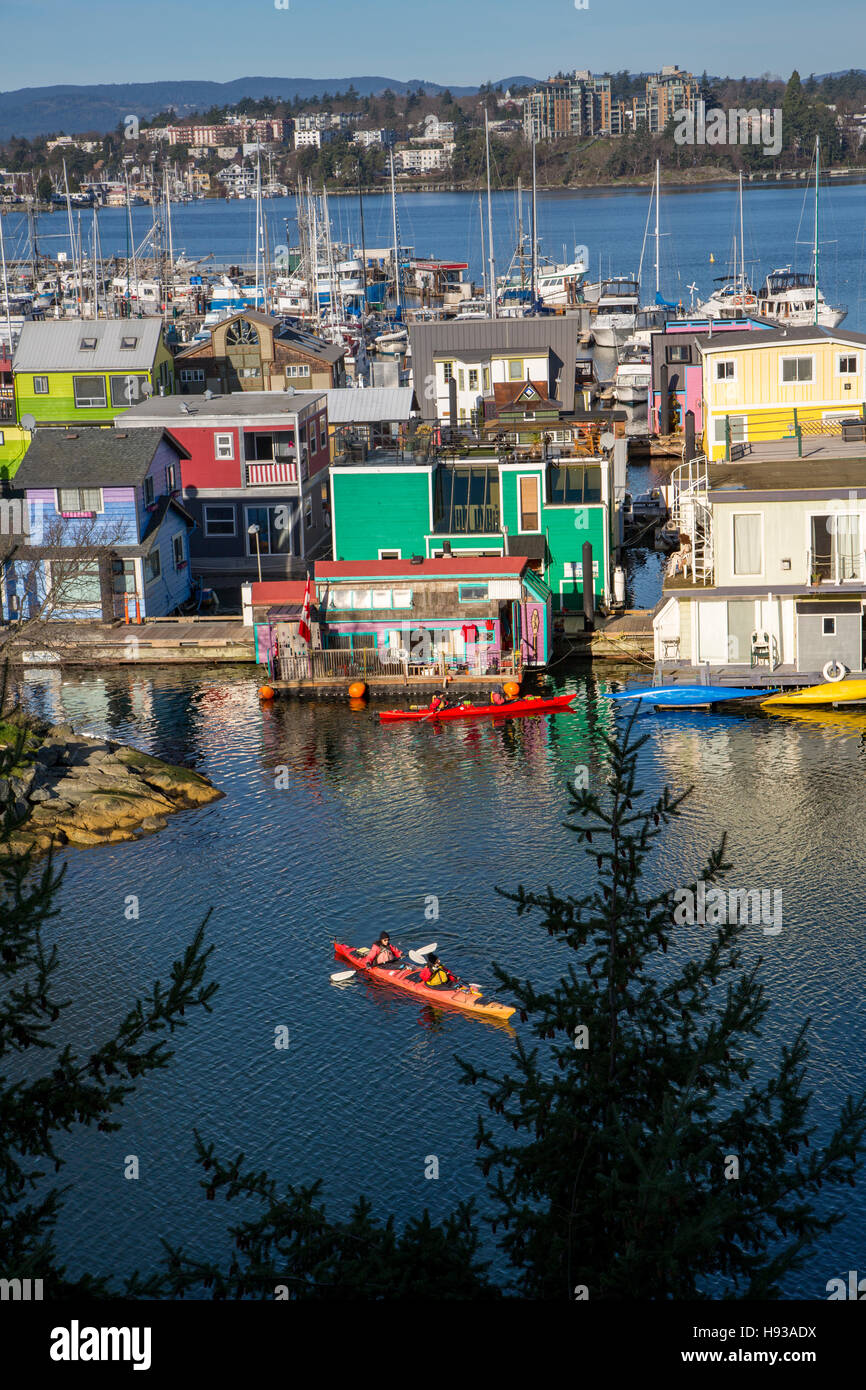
(834, 671)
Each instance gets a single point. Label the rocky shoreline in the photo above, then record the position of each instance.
(76, 789)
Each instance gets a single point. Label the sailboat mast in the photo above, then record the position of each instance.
(817, 183)
(742, 245)
(483, 266)
(490, 220)
(657, 230)
(6, 287)
(394, 228)
(71, 231)
(520, 232)
(534, 222)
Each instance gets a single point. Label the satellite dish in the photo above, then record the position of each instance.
(28, 422)
(146, 388)
(607, 440)
(208, 395)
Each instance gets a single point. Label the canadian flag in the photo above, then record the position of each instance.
(304, 624)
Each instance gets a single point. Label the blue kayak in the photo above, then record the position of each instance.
(688, 696)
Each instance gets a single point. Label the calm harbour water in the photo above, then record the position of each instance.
(695, 223)
(371, 820)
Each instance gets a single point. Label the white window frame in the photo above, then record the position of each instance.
(221, 441)
(148, 491)
(381, 598)
(861, 537)
(725, 362)
(521, 530)
(38, 388)
(757, 574)
(219, 535)
(181, 563)
(846, 357)
(397, 594)
(99, 510)
(390, 555)
(90, 405)
(194, 374)
(797, 357)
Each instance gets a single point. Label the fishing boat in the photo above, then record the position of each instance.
(831, 693)
(688, 696)
(466, 997)
(532, 704)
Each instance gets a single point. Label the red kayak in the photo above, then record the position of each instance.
(465, 997)
(533, 704)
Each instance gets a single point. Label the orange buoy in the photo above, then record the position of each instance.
(357, 690)
(512, 689)
(266, 692)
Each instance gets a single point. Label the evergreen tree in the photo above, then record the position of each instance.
(649, 1158)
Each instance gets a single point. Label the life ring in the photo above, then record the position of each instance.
(834, 671)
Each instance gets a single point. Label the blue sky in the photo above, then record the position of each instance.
(458, 41)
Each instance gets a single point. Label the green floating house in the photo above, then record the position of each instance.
(85, 372)
(507, 504)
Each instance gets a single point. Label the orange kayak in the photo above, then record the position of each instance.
(463, 997)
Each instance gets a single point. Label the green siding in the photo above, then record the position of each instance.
(58, 406)
(380, 511)
(566, 530)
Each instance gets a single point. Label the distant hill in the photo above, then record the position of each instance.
(74, 110)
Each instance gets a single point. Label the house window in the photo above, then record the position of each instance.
(390, 555)
(362, 598)
(515, 370)
(828, 627)
(726, 371)
(2, 438)
(529, 508)
(224, 446)
(171, 478)
(148, 491)
(679, 352)
(78, 501)
(748, 550)
(401, 598)
(219, 520)
(796, 369)
(249, 371)
(473, 379)
(190, 374)
(738, 429)
(447, 371)
(847, 366)
(461, 379)
(89, 392)
(178, 550)
(127, 390)
(297, 369)
(40, 386)
(381, 598)
(83, 586)
(152, 567)
(308, 512)
(486, 378)
(128, 344)
(275, 529)
(473, 593)
(87, 345)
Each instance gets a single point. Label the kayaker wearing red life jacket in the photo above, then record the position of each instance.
(382, 952)
(435, 974)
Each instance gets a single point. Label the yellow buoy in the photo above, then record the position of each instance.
(357, 690)
(512, 689)
(266, 692)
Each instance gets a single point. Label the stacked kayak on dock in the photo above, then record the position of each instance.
(531, 705)
(466, 997)
(831, 693)
(689, 696)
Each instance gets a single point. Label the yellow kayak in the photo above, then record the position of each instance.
(831, 693)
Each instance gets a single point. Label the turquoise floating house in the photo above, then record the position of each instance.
(540, 509)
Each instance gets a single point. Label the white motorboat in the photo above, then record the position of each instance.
(618, 304)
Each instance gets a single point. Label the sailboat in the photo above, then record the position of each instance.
(735, 298)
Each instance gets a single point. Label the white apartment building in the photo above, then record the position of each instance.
(313, 139)
(421, 159)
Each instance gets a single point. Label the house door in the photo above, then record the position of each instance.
(528, 503)
(713, 631)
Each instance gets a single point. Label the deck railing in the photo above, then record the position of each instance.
(368, 663)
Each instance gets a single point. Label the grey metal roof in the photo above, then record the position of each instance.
(90, 458)
(775, 337)
(236, 405)
(369, 405)
(284, 333)
(557, 333)
(56, 346)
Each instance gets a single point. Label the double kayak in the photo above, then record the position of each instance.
(690, 696)
(533, 704)
(465, 997)
(832, 693)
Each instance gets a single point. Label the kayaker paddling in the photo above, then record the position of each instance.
(383, 953)
(435, 975)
